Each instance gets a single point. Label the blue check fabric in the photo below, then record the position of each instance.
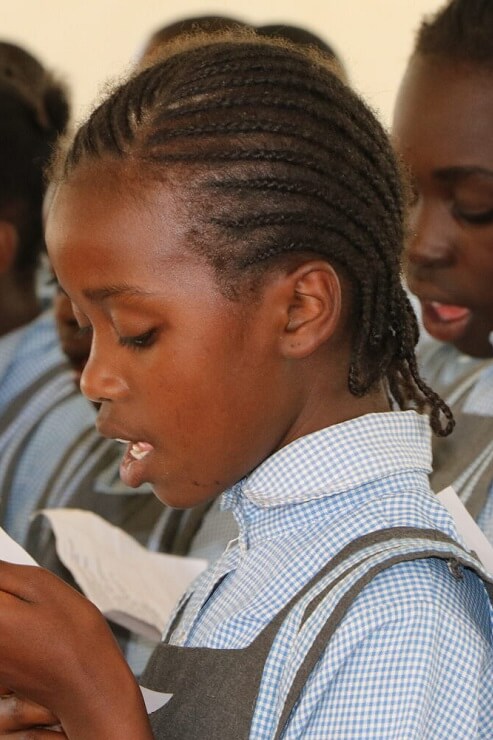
(413, 656)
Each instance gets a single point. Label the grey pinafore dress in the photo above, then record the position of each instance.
(464, 459)
(215, 690)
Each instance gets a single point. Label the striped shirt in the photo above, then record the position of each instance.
(413, 657)
(444, 367)
(480, 401)
(52, 456)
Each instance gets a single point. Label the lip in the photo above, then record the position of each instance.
(133, 471)
(112, 431)
(445, 321)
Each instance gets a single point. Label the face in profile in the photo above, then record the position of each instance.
(186, 376)
(442, 130)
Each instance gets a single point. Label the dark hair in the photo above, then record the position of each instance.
(302, 37)
(297, 34)
(191, 25)
(33, 112)
(278, 158)
(461, 31)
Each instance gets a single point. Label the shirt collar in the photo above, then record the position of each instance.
(338, 459)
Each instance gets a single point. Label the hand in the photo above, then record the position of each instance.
(57, 651)
(18, 715)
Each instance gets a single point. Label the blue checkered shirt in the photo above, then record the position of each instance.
(413, 657)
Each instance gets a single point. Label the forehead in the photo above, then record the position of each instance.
(444, 114)
(100, 217)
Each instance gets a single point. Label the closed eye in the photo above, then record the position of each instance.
(140, 341)
(481, 218)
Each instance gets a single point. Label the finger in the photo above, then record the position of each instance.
(17, 713)
(19, 580)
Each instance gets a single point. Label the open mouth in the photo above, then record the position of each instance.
(134, 464)
(445, 321)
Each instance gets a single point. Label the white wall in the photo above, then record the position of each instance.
(89, 41)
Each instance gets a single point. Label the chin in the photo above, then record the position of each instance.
(475, 345)
(178, 498)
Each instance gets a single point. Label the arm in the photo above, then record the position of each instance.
(413, 667)
(57, 651)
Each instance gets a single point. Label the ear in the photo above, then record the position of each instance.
(9, 240)
(313, 308)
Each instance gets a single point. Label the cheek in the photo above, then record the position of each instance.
(473, 273)
(478, 260)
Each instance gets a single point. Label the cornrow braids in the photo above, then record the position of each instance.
(460, 31)
(199, 24)
(279, 159)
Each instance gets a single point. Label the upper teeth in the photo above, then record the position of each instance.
(137, 453)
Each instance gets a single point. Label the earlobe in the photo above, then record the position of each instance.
(8, 245)
(314, 310)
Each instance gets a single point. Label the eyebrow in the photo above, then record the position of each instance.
(99, 295)
(453, 174)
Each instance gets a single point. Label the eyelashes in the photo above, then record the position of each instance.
(482, 218)
(140, 341)
(473, 218)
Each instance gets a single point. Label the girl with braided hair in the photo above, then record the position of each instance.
(447, 147)
(229, 223)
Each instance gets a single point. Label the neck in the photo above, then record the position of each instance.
(19, 303)
(344, 406)
(328, 401)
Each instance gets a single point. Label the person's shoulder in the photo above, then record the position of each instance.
(428, 590)
(38, 345)
(444, 367)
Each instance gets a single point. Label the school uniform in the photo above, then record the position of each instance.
(25, 354)
(412, 655)
(35, 379)
(464, 460)
(51, 456)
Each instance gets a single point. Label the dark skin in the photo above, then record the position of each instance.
(442, 130)
(194, 375)
(76, 342)
(19, 303)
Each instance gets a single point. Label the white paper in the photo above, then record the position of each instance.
(129, 584)
(12, 552)
(154, 700)
(473, 537)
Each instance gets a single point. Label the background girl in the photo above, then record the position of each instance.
(442, 129)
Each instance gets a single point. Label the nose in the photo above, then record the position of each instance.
(429, 242)
(101, 379)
